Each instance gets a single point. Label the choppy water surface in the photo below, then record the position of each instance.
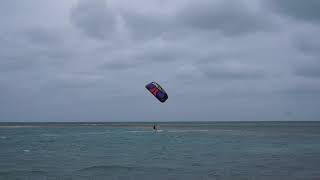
(233, 150)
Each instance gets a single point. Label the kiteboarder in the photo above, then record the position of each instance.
(157, 91)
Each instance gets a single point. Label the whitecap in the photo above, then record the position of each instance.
(139, 131)
(183, 131)
(95, 133)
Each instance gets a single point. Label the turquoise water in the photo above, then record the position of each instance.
(233, 150)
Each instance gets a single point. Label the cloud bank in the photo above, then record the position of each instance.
(88, 60)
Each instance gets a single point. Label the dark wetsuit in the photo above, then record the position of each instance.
(154, 127)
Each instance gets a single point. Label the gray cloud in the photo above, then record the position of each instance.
(233, 75)
(308, 88)
(302, 10)
(146, 26)
(308, 42)
(309, 71)
(94, 18)
(232, 72)
(90, 59)
(120, 64)
(43, 36)
(228, 17)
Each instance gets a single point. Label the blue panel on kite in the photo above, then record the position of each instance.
(155, 89)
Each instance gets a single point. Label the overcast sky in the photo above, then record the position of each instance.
(219, 60)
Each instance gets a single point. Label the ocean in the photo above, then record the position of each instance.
(180, 150)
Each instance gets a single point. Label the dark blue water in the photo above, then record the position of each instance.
(234, 150)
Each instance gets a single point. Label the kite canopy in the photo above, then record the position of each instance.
(157, 91)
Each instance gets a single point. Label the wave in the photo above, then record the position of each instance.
(22, 172)
(150, 131)
(172, 131)
(50, 135)
(94, 133)
(140, 131)
(114, 168)
(183, 131)
(89, 124)
(106, 168)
